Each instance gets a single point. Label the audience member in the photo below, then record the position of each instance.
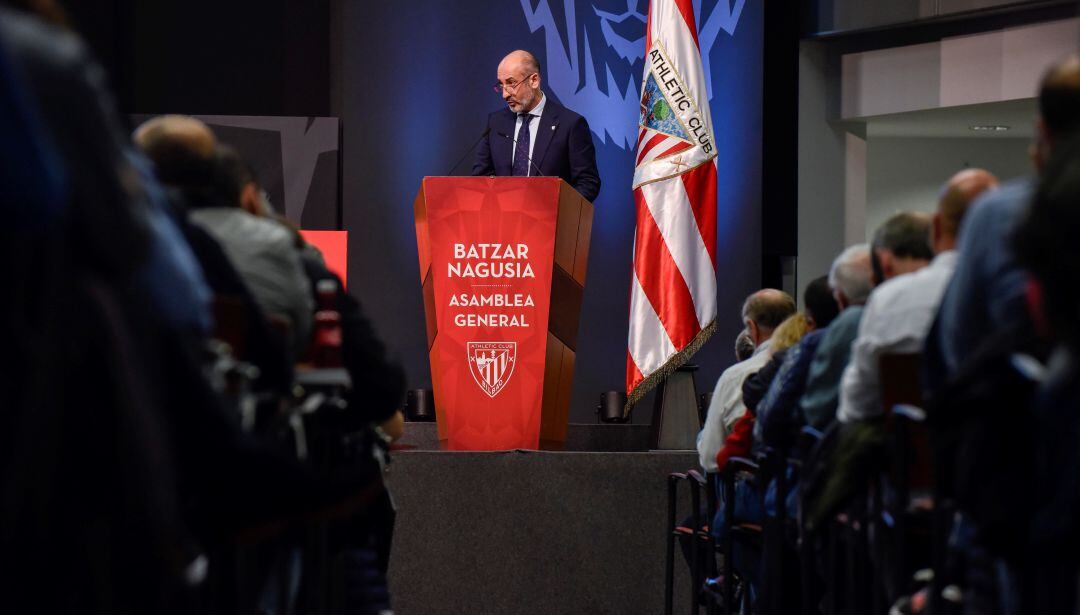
(851, 279)
(739, 442)
(181, 150)
(106, 195)
(788, 372)
(88, 482)
(260, 249)
(896, 319)
(1045, 245)
(819, 303)
(251, 484)
(901, 245)
(821, 309)
(378, 385)
(762, 312)
(787, 335)
(120, 464)
(984, 408)
(987, 292)
(899, 312)
(744, 346)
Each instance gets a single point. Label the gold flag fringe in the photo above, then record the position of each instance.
(675, 362)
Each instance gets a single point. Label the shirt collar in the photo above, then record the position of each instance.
(944, 258)
(763, 347)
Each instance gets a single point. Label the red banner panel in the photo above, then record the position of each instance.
(334, 246)
(490, 245)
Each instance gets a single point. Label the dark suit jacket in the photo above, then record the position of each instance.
(378, 383)
(563, 148)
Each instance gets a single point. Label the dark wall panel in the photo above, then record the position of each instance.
(211, 57)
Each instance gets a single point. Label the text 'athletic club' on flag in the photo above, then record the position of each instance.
(673, 291)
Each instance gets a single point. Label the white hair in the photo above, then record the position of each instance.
(852, 274)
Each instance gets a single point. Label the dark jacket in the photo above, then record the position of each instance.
(563, 148)
(779, 415)
(378, 384)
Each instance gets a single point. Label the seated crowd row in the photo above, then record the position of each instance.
(159, 320)
(975, 311)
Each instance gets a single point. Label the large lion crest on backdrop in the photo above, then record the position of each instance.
(595, 52)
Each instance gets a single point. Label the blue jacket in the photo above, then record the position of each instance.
(821, 396)
(988, 288)
(779, 417)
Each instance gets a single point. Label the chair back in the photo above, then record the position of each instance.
(901, 386)
(230, 322)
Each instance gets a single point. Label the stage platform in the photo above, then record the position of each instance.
(590, 437)
(534, 531)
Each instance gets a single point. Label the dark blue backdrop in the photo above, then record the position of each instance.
(416, 92)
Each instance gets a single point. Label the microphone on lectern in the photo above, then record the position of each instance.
(487, 131)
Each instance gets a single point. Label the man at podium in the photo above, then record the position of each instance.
(535, 135)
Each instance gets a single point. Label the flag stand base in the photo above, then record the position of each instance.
(675, 419)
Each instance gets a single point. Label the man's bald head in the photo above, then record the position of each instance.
(182, 130)
(957, 195)
(520, 60)
(763, 312)
(180, 147)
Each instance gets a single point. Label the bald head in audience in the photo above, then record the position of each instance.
(181, 148)
(763, 312)
(957, 195)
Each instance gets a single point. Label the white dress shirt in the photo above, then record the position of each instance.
(727, 405)
(897, 317)
(534, 125)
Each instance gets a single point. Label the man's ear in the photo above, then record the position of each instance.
(754, 331)
(841, 299)
(249, 199)
(888, 264)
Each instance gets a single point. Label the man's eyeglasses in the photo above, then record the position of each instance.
(512, 86)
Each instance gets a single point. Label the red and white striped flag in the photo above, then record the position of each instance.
(673, 293)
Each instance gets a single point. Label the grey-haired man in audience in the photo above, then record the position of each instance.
(851, 279)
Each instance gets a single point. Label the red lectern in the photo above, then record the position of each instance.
(502, 264)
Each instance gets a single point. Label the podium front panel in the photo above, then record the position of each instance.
(487, 253)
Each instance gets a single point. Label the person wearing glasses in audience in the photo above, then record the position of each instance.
(534, 135)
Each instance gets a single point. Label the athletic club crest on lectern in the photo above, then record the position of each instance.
(492, 364)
